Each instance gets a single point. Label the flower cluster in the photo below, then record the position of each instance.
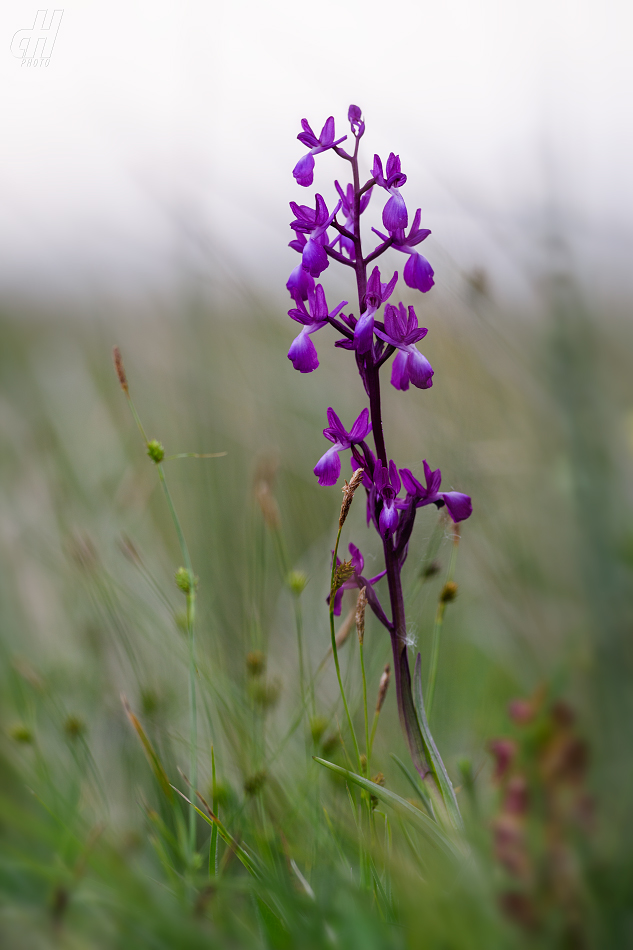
(393, 494)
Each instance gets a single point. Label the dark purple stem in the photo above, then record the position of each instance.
(398, 626)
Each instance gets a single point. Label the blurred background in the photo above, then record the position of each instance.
(145, 182)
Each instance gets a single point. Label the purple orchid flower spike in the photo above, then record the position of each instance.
(328, 468)
(409, 364)
(314, 224)
(418, 273)
(358, 563)
(458, 505)
(302, 352)
(394, 214)
(376, 295)
(387, 484)
(304, 169)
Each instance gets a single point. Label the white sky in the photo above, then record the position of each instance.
(162, 126)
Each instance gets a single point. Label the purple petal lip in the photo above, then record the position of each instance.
(418, 273)
(328, 468)
(303, 354)
(394, 215)
(459, 506)
(304, 170)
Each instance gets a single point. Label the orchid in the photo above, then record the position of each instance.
(394, 215)
(373, 341)
(418, 273)
(315, 224)
(358, 563)
(304, 169)
(328, 468)
(403, 333)
(302, 352)
(458, 505)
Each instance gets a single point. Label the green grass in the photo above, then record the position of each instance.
(530, 416)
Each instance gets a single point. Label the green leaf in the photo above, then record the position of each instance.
(429, 828)
(433, 756)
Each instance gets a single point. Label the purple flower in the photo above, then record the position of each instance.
(302, 352)
(409, 364)
(328, 468)
(387, 484)
(418, 273)
(376, 294)
(355, 118)
(459, 506)
(300, 282)
(315, 224)
(304, 169)
(394, 214)
(358, 563)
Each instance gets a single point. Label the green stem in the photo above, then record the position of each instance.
(191, 615)
(335, 652)
(367, 745)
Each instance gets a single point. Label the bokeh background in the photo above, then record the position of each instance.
(145, 179)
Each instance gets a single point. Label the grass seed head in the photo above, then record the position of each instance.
(155, 451)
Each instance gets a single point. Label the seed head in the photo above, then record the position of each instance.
(361, 603)
(155, 451)
(185, 580)
(21, 733)
(318, 725)
(254, 783)
(383, 686)
(348, 494)
(120, 369)
(74, 727)
(343, 573)
(449, 592)
(255, 663)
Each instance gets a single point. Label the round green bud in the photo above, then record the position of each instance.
(74, 727)
(297, 581)
(185, 580)
(155, 451)
(21, 733)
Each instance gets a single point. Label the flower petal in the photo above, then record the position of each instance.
(304, 170)
(419, 369)
(328, 468)
(399, 374)
(364, 331)
(394, 214)
(300, 283)
(303, 354)
(418, 273)
(459, 506)
(314, 258)
(361, 427)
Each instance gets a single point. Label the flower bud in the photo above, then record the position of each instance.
(74, 727)
(296, 582)
(185, 580)
(449, 592)
(155, 451)
(255, 663)
(21, 733)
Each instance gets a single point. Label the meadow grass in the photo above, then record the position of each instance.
(99, 846)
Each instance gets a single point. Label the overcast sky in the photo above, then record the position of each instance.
(162, 126)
